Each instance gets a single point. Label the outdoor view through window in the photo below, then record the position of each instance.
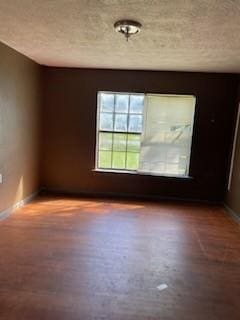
(144, 133)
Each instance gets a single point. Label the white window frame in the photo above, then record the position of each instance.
(112, 170)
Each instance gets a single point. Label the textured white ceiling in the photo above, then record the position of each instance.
(186, 35)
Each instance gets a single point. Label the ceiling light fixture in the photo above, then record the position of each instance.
(127, 27)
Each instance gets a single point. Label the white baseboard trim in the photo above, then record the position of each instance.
(6, 213)
(232, 213)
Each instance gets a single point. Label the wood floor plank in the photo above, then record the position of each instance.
(78, 258)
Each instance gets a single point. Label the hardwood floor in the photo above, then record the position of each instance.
(71, 259)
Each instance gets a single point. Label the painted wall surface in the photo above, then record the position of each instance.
(19, 126)
(69, 125)
(233, 195)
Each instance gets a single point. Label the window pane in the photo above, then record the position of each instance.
(135, 123)
(172, 168)
(105, 141)
(121, 103)
(119, 142)
(166, 144)
(119, 159)
(132, 161)
(104, 159)
(183, 161)
(106, 121)
(120, 122)
(136, 103)
(106, 102)
(133, 143)
(173, 154)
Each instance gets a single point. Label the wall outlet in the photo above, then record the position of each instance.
(1, 178)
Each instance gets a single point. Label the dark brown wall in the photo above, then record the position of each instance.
(69, 131)
(233, 195)
(19, 126)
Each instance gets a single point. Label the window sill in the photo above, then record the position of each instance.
(142, 173)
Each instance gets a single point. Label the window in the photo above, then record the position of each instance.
(144, 133)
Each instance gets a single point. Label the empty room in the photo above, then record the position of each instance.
(119, 160)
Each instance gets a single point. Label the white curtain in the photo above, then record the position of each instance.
(167, 136)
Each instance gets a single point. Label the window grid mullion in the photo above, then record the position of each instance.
(114, 114)
(126, 149)
(130, 132)
(132, 113)
(127, 133)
